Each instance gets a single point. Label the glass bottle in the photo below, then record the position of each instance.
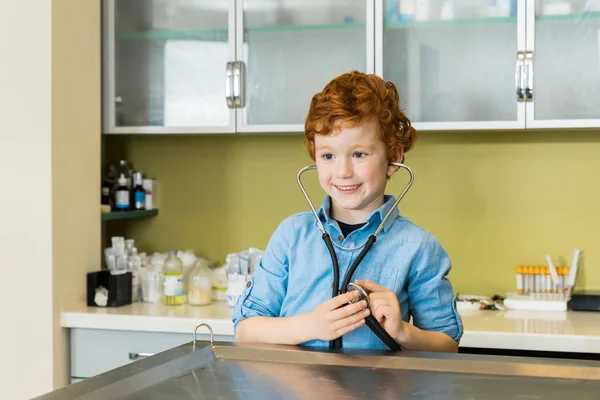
(122, 195)
(173, 280)
(139, 193)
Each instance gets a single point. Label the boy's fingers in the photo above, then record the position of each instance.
(341, 300)
(351, 320)
(381, 296)
(371, 286)
(348, 310)
(349, 328)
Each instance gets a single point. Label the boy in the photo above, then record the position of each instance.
(354, 129)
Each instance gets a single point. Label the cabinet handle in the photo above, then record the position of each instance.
(228, 84)
(519, 77)
(529, 76)
(137, 356)
(238, 84)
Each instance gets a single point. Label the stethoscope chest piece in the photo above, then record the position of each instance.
(362, 293)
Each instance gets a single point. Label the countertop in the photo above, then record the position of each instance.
(569, 331)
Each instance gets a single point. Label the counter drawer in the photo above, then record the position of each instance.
(95, 351)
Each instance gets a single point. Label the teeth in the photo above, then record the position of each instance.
(348, 187)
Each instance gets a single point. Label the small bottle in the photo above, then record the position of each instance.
(147, 184)
(127, 171)
(122, 195)
(105, 199)
(173, 280)
(139, 194)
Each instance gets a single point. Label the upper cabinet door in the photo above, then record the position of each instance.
(455, 62)
(165, 66)
(564, 38)
(291, 49)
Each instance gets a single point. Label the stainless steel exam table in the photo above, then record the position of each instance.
(203, 370)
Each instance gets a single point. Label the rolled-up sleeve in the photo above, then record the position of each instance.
(431, 296)
(267, 286)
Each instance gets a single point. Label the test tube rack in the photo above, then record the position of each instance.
(536, 290)
(537, 301)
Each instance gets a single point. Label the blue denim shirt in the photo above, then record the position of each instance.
(296, 273)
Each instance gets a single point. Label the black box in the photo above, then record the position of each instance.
(118, 286)
(585, 301)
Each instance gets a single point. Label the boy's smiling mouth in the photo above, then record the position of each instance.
(347, 188)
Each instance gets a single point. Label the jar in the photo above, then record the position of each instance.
(200, 285)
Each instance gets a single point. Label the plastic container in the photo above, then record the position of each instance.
(200, 285)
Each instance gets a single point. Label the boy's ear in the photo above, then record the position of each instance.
(399, 158)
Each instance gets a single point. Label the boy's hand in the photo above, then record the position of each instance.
(335, 317)
(384, 307)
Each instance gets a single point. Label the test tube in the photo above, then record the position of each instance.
(573, 270)
(566, 271)
(530, 279)
(519, 273)
(538, 279)
(548, 280)
(553, 273)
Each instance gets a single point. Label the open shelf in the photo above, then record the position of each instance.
(111, 216)
(569, 17)
(392, 24)
(211, 34)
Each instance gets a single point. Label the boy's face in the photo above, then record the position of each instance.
(353, 169)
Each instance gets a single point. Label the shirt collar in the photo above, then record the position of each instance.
(375, 218)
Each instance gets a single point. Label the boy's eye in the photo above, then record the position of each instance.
(327, 156)
(358, 154)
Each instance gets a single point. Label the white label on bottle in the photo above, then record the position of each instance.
(148, 201)
(173, 285)
(122, 198)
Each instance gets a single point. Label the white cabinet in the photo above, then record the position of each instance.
(225, 66)
(453, 61)
(95, 351)
(291, 50)
(164, 66)
(564, 39)
(500, 64)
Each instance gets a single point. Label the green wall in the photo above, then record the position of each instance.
(493, 199)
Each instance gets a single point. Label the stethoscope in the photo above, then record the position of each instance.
(370, 320)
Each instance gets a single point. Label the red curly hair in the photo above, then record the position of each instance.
(352, 98)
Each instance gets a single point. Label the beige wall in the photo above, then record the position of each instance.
(49, 171)
(75, 158)
(494, 199)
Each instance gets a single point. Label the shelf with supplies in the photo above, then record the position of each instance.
(569, 17)
(120, 215)
(222, 33)
(394, 24)
(438, 23)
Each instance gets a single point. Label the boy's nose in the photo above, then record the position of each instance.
(343, 169)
